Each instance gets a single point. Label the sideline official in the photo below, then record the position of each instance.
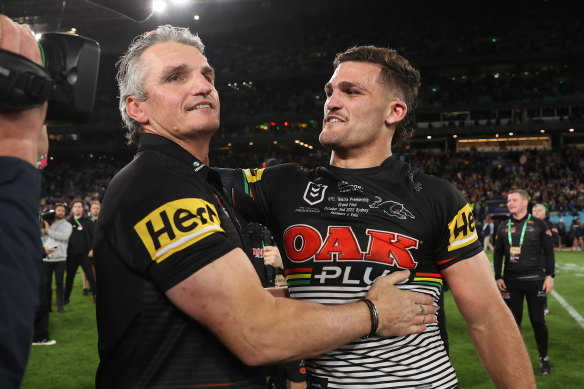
(525, 243)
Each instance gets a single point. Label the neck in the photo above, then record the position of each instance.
(77, 216)
(519, 215)
(348, 160)
(197, 144)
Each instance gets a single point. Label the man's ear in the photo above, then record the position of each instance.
(397, 113)
(135, 111)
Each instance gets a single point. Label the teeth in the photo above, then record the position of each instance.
(203, 106)
(334, 120)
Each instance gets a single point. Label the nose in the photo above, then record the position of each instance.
(333, 102)
(201, 85)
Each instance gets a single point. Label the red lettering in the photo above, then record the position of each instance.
(340, 243)
(301, 242)
(391, 248)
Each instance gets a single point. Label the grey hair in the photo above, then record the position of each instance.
(539, 206)
(130, 76)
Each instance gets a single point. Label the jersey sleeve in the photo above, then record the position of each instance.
(251, 189)
(458, 238)
(168, 227)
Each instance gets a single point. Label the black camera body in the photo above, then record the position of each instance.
(67, 81)
(48, 216)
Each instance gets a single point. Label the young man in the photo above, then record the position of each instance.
(179, 303)
(368, 214)
(56, 237)
(525, 243)
(79, 249)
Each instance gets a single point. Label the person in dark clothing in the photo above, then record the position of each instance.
(80, 243)
(525, 244)
(22, 139)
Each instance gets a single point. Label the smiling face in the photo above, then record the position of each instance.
(182, 100)
(359, 113)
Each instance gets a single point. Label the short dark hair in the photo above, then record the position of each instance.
(396, 72)
(75, 202)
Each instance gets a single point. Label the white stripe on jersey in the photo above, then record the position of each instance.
(410, 361)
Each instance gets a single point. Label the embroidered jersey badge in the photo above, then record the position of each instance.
(392, 208)
(314, 193)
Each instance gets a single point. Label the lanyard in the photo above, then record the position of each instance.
(522, 232)
(76, 221)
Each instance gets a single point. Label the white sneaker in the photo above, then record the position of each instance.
(44, 342)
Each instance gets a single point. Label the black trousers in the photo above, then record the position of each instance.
(59, 269)
(73, 263)
(536, 303)
(41, 317)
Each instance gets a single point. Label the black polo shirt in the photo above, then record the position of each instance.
(162, 220)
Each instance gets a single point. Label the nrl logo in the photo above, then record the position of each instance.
(314, 193)
(392, 208)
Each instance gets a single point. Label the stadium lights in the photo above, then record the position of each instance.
(542, 131)
(159, 6)
(429, 137)
(571, 130)
(503, 140)
(196, 17)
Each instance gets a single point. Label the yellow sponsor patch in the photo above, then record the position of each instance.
(253, 175)
(176, 225)
(462, 229)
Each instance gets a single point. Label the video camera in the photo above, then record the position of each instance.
(67, 81)
(48, 216)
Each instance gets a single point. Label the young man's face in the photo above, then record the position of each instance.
(77, 209)
(356, 108)
(516, 203)
(94, 209)
(59, 212)
(182, 100)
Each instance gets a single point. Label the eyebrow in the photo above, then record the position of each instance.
(345, 85)
(182, 68)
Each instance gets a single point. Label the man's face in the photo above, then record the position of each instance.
(77, 209)
(356, 108)
(538, 213)
(94, 209)
(182, 99)
(59, 212)
(516, 203)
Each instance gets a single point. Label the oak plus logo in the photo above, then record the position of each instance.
(314, 193)
(303, 243)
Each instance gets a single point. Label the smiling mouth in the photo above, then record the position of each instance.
(200, 106)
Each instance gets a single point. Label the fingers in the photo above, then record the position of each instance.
(29, 46)
(398, 276)
(19, 39)
(9, 35)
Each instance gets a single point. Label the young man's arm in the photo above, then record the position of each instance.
(490, 323)
(260, 328)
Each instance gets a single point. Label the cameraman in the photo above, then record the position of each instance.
(22, 139)
(56, 237)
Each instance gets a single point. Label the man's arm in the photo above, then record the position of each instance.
(260, 328)
(490, 323)
(550, 261)
(63, 232)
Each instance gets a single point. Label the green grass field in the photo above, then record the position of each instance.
(71, 363)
